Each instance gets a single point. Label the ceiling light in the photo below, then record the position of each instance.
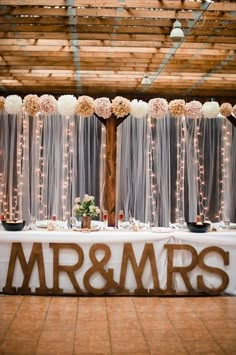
(177, 33)
(146, 80)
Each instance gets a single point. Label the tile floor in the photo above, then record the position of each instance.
(117, 325)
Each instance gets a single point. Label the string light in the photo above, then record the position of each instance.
(68, 153)
(151, 149)
(41, 169)
(202, 200)
(181, 128)
(102, 163)
(224, 182)
(16, 202)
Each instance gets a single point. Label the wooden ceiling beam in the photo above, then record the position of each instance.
(122, 51)
(156, 13)
(177, 4)
(98, 21)
(109, 37)
(108, 43)
(117, 42)
(181, 61)
(120, 30)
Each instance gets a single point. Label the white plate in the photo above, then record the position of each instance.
(161, 230)
(44, 223)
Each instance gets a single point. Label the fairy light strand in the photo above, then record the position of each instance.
(102, 163)
(181, 127)
(224, 182)
(202, 200)
(152, 177)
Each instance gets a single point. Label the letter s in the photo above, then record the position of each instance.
(224, 276)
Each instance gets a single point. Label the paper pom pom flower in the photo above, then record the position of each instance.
(13, 104)
(120, 106)
(85, 106)
(2, 103)
(226, 109)
(210, 109)
(234, 111)
(177, 108)
(66, 105)
(158, 108)
(139, 108)
(31, 104)
(193, 109)
(102, 107)
(48, 104)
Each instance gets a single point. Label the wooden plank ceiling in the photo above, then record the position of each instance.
(104, 48)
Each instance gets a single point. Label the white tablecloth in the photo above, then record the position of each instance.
(115, 240)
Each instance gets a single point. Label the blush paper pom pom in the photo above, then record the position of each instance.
(193, 109)
(48, 104)
(158, 108)
(102, 107)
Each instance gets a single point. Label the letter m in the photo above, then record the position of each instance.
(27, 268)
(138, 269)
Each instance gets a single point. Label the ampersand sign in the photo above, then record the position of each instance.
(98, 266)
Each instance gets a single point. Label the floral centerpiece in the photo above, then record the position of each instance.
(86, 209)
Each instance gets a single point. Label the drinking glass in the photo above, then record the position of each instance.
(227, 223)
(32, 224)
(105, 218)
(181, 222)
(131, 222)
(121, 217)
(73, 222)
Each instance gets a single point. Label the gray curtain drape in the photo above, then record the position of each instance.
(166, 169)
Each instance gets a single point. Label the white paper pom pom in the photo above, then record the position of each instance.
(13, 104)
(139, 108)
(66, 105)
(210, 109)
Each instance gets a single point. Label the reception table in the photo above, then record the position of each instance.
(168, 262)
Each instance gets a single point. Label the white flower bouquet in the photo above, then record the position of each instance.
(86, 207)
